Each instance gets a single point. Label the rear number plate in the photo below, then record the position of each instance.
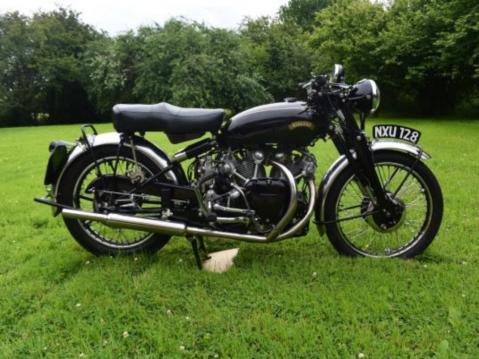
(399, 132)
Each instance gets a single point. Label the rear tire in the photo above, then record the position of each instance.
(88, 238)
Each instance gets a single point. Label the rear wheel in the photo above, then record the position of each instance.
(91, 185)
(354, 226)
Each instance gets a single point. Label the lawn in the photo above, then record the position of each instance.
(297, 298)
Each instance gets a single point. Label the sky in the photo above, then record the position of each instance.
(119, 16)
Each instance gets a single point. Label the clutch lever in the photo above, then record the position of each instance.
(341, 86)
(306, 84)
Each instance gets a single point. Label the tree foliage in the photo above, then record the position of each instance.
(430, 50)
(184, 63)
(347, 32)
(424, 54)
(279, 52)
(41, 67)
(16, 69)
(302, 12)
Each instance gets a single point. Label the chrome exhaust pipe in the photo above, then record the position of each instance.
(301, 223)
(130, 222)
(293, 204)
(155, 225)
(181, 229)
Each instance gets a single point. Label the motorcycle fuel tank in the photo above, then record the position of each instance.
(284, 123)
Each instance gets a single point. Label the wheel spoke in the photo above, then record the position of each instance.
(86, 198)
(359, 231)
(391, 177)
(101, 232)
(349, 208)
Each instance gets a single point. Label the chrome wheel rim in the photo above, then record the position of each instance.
(116, 238)
(365, 238)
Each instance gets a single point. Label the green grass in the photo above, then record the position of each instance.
(56, 300)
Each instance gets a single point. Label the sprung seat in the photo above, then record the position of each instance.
(164, 117)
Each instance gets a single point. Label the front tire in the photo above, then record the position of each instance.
(97, 238)
(420, 195)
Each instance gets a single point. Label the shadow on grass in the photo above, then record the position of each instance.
(435, 258)
(276, 255)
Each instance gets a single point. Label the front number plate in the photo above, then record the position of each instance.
(399, 132)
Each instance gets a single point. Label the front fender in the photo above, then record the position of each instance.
(158, 156)
(342, 162)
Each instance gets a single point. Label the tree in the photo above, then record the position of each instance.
(41, 62)
(424, 54)
(431, 51)
(302, 12)
(111, 64)
(60, 40)
(192, 65)
(279, 53)
(347, 32)
(218, 76)
(16, 70)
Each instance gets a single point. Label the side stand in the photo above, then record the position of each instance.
(199, 249)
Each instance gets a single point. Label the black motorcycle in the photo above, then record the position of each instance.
(252, 180)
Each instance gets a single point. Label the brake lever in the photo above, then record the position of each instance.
(306, 84)
(341, 86)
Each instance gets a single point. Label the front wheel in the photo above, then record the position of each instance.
(353, 226)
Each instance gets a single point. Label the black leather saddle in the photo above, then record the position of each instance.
(167, 118)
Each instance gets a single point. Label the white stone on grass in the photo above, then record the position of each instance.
(220, 262)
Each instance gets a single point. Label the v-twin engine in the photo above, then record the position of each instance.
(256, 192)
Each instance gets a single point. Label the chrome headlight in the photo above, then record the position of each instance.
(376, 96)
(366, 96)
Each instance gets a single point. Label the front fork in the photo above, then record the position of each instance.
(355, 145)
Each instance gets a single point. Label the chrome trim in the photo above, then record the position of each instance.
(195, 231)
(404, 147)
(293, 204)
(338, 74)
(131, 222)
(155, 225)
(312, 205)
(376, 96)
(342, 162)
(233, 210)
(179, 156)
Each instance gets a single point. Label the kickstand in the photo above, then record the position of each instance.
(198, 246)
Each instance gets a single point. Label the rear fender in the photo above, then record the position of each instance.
(59, 153)
(342, 163)
(176, 175)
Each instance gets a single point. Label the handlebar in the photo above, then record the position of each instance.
(322, 84)
(330, 92)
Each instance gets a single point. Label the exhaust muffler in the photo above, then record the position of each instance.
(181, 229)
(156, 225)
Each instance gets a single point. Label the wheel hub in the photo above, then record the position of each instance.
(111, 192)
(384, 220)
